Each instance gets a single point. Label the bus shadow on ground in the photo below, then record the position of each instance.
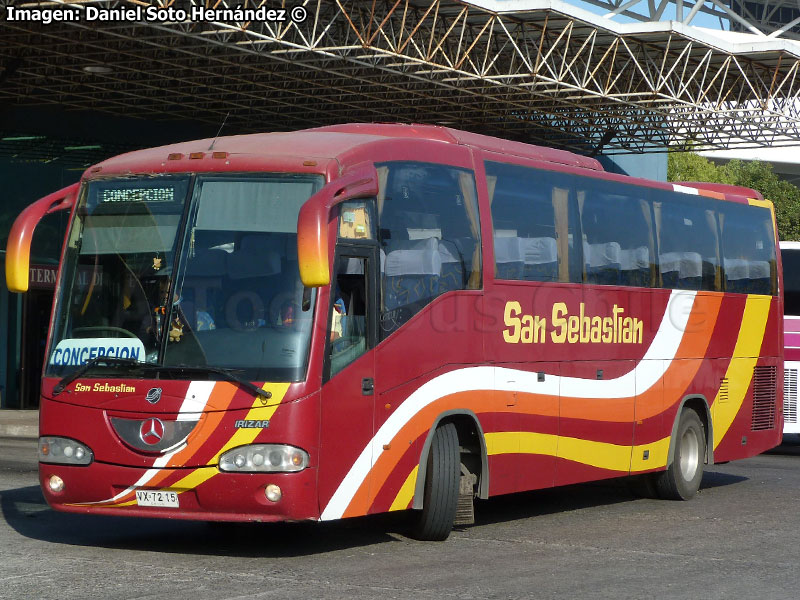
(789, 447)
(575, 497)
(714, 479)
(26, 511)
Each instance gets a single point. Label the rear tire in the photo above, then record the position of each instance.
(682, 478)
(435, 521)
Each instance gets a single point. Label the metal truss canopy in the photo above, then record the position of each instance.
(538, 71)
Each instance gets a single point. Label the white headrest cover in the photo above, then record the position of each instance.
(687, 264)
(416, 258)
(601, 255)
(635, 258)
(537, 251)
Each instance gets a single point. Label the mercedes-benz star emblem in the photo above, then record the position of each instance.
(151, 431)
(153, 395)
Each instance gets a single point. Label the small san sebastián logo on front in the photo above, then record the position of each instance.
(104, 387)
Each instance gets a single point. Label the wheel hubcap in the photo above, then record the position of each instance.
(690, 455)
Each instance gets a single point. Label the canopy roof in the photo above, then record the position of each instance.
(539, 71)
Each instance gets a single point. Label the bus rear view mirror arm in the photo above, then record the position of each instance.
(18, 249)
(312, 223)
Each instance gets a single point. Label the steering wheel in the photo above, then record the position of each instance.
(107, 329)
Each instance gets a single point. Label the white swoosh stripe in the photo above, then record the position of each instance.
(647, 372)
(196, 398)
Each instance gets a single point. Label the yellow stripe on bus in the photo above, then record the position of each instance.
(257, 412)
(657, 456)
(406, 492)
(764, 204)
(614, 457)
(602, 455)
(241, 437)
(740, 369)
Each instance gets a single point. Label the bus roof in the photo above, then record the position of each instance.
(334, 141)
(340, 142)
(465, 138)
(725, 188)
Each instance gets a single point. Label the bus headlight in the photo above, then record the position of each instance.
(264, 458)
(64, 451)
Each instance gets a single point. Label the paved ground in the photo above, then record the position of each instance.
(19, 423)
(737, 539)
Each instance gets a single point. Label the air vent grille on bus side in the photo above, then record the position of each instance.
(723, 389)
(790, 396)
(764, 395)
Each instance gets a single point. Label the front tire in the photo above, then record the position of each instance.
(435, 520)
(682, 478)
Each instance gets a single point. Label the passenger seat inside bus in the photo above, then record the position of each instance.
(452, 274)
(411, 270)
(526, 258)
(748, 276)
(508, 257)
(635, 266)
(681, 270)
(603, 262)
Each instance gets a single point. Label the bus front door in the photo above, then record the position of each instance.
(348, 392)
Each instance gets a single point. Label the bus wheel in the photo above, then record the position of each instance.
(435, 521)
(682, 478)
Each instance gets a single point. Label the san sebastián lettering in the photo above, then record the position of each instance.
(565, 328)
(104, 387)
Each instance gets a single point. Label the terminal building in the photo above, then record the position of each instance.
(619, 80)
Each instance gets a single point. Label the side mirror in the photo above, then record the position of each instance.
(312, 223)
(18, 249)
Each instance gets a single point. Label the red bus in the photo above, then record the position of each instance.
(367, 318)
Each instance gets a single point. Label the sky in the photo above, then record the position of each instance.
(700, 20)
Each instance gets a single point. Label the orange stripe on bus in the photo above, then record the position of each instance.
(678, 376)
(478, 401)
(710, 194)
(683, 369)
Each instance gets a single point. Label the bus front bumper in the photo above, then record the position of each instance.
(203, 494)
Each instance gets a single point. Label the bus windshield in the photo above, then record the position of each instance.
(187, 271)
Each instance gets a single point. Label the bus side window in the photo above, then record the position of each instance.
(688, 242)
(429, 234)
(748, 248)
(618, 241)
(534, 238)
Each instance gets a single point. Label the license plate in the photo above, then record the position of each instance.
(157, 498)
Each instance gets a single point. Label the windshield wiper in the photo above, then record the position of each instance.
(227, 374)
(92, 362)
